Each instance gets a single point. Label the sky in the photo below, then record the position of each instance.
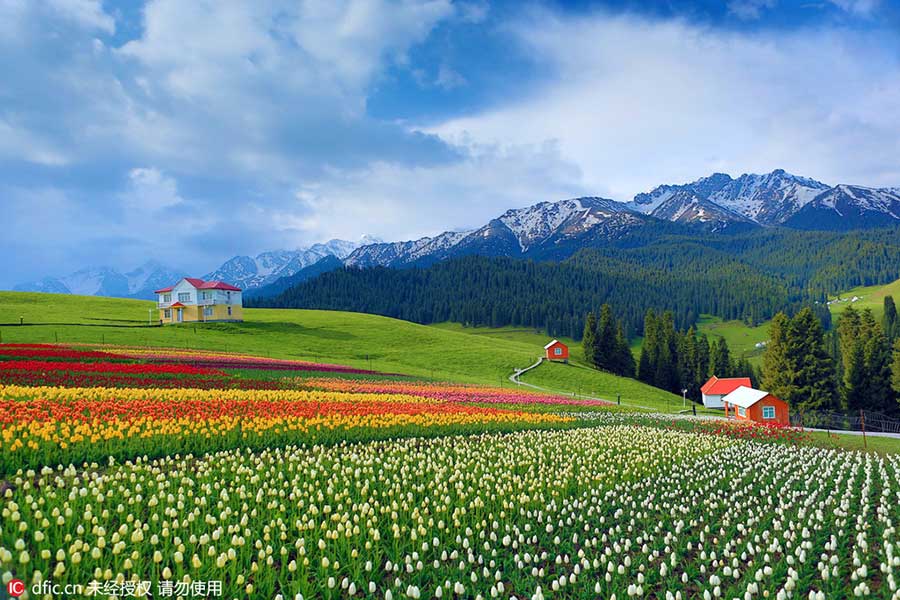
(189, 132)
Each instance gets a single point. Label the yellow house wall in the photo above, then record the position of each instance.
(192, 314)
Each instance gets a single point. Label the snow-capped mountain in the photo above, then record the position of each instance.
(533, 231)
(768, 199)
(250, 272)
(689, 207)
(846, 207)
(105, 281)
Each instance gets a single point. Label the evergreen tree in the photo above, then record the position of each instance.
(605, 357)
(624, 357)
(589, 339)
(877, 356)
(777, 370)
(720, 361)
(666, 376)
(812, 371)
(895, 368)
(701, 370)
(650, 349)
(889, 320)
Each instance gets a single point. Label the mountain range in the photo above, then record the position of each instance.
(247, 272)
(718, 203)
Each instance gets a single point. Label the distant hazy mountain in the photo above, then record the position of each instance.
(324, 265)
(104, 281)
(243, 271)
(250, 272)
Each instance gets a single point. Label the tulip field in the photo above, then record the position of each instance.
(129, 472)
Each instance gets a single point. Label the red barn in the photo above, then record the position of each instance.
(715, 389)
(556, 350)
(749, 404)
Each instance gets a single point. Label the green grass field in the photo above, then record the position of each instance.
(583, 381)
(871, 297)
(534, 338)
(445, 352)
(741, 338)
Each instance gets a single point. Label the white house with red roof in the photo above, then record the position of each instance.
(192, 300)
(715, 389)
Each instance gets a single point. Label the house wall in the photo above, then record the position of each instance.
(755, 412)
(551, 352)
(713, 401)
(193, 314)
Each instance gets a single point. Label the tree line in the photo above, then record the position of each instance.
(748, 276)
(854, 367)
(670, 359)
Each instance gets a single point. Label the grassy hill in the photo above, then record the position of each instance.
(871, 297)
(448, 352)
(574, 377)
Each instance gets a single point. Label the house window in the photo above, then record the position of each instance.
(184, 297)
(742, 412)
(558, 351)
(206, 295)
(228, 297)
(768, 412)
(208, 311)
(167, 297)
(229, 311)
(167, 313)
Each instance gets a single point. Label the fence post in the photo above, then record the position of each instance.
(862, 420)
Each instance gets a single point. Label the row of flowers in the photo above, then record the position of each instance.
(611, 512)
(106, 367)
(446, 392)
(50, 425)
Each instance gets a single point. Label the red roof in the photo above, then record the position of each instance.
(720, 387)
(202, 285)
(176, 305)
(217, 285)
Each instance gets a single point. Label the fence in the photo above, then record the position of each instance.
(863, 420)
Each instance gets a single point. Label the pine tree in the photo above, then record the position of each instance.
(650, 348)
(853, 364)
(589, 339)
(813, 371)
(720, 361)
(777, 368)
(701, 369)
(895, 368)
(877, 356)
(889, 320)
(624, 357)
(605, 356)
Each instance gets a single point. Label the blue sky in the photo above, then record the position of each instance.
(190, 132)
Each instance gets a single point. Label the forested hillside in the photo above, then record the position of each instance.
(749, 276)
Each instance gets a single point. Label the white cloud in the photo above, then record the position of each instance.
(635, 103)
(151, 190)
(86, 13)
(448, 78)
(749, 9)
(859, 7)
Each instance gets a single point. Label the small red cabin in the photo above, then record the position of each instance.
(556, 350)
(748, 404)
